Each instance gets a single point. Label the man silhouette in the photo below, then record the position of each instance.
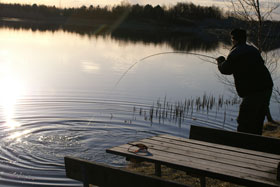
(252, 80)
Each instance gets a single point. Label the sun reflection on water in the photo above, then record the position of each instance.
(17, 135)
(11, 90)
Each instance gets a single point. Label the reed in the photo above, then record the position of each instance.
(179, 111)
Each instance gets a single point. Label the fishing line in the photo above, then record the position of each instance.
(163, 53)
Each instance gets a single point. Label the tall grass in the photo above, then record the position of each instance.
(179, 111)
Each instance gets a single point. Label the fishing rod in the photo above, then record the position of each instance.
(163, 53)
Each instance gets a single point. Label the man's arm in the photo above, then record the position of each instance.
(225, 65)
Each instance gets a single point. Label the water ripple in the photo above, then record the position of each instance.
(44, 129)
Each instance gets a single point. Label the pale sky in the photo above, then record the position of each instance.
(79, 3)
(223, 4)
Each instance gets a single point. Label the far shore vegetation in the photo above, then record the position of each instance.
(209, 23)
(182, 13)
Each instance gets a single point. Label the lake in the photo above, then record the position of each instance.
(64, 93)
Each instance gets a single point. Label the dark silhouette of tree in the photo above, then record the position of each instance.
(179, 11)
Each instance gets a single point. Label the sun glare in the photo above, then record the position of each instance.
(11, 90)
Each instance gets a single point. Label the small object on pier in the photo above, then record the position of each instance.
(141, 148)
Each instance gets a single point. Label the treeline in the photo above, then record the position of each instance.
(136, 22)
(178, 13)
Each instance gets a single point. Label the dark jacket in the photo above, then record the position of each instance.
(248, 69)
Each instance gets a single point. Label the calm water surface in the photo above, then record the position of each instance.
(59, 97)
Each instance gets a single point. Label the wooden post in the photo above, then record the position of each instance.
(85, 183)
(278, 172)
(202, 181)
(158, 169)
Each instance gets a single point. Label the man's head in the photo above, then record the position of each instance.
(238, 36)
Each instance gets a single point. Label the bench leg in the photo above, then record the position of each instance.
(202, 181)
(158, 169)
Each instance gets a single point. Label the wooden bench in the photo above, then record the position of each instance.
(104, 175)
(227, 163)
(236, 139)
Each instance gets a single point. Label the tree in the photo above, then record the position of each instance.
(256, 13)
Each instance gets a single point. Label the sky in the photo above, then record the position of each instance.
(79, 3)
(223, 4)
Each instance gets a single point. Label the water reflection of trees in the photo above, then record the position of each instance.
(183, 41)
(179, 38)
(178, 41)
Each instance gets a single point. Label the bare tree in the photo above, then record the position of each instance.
(256, 12)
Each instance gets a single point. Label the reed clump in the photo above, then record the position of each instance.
(179, 111)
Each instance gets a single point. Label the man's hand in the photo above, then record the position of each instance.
(220, 59)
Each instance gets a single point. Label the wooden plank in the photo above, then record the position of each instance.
(103, 175)
(236, 139)
(220, 146)
(216, 148)
(269, 173)
(225, 147)
(208, 155)
(200, 167)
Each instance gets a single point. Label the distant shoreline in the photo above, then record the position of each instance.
(137, 22)
(131, 28)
